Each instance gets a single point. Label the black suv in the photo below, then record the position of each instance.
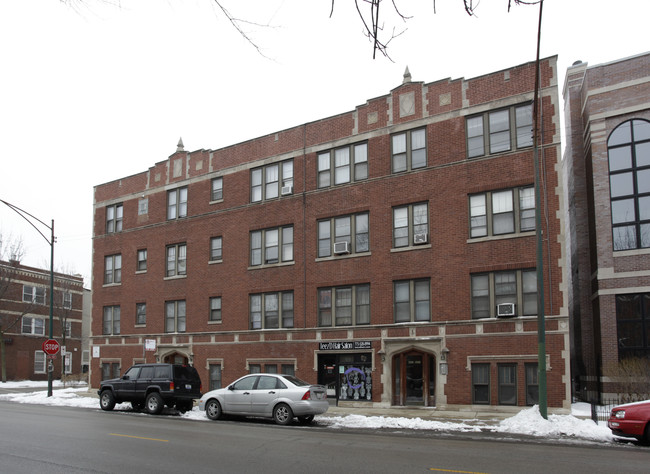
(152, 386)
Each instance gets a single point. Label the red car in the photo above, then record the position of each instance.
(631, 420)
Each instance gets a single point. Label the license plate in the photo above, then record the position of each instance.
(188, 386)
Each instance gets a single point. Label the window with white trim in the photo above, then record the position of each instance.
(271, 310)
(346, 164)
(270, 181)
(344, 305)
(67, 299)
(216, 249)
(34, 326)
(112, 269)
(500, 130)
(271, 246)
(39, 362)
(215, 309)
(216, 190)
(114, 218)
(142, 260)
(33, 294)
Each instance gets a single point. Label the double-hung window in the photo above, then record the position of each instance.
(39, 362)
(412, 300)
(346, 164)
(142, 260)
(343, 234)
(410, 225)
(176, 260)
(111, 320)
(140, 314)
(481, 384)
(35, 326)
(271, 181)
(409, 150)
(215, 249)
(67, 300)
(216, 191)
(500, 130)
(175, 316)
(112, 269)
(502, 212)
(114, 216)
(177, 203)
(271, 246)
(215, 308)
(271, 310)
(344, 306)
(33, 294)
(504, 293)
(628, 148)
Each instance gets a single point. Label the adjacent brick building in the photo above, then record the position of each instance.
(387, 252)
(25, 321)
(607, 158)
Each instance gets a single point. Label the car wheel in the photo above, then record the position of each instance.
(306, 420)
(107, 400)
(137, 406)
(154, 403)
(213, 410)
(282, 414)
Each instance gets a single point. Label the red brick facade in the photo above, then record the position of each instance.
(598, 100)
(26, 324)
(425, 361)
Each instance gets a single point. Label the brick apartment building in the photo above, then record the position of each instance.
(25, 321)
(607, 158)
(387, 252)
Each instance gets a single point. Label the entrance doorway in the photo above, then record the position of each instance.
(414, 379)
(176, 358)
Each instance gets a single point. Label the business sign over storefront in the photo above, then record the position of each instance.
(344, 345)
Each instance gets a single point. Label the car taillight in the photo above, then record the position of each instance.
(620, 414)
(171, 386)
(307, 395)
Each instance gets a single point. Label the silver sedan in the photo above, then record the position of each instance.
(280, 397)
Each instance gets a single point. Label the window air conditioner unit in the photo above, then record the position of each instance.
(287, 190)
(419, 239)
(341, 247)
(505, 309)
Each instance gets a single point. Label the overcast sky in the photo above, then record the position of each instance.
(95, 90)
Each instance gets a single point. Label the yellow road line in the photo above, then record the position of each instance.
(452, 470)
(139, 437)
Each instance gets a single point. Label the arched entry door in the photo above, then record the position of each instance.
(414, 378)
(176, 358)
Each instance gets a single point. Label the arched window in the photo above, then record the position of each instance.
(628, 150)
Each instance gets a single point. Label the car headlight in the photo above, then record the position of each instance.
(620, 414)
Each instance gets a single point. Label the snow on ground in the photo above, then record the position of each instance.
(526, 422)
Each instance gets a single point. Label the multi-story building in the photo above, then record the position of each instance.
(607, 158)
(25, 321)
(388, 252)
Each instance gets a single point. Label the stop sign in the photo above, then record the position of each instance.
(51, 347)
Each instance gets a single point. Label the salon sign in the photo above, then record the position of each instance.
(344, 345)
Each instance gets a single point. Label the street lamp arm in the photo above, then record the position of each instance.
(22, 214)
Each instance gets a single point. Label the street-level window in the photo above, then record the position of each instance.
(628, 149)
(532, 384)
(175, 316)
(39, 362)
(633, 325)
(412, 300)
(215, 376)
(111, 320)
(481, 384)
(110, 370)
(507, 377)
(177, 203)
